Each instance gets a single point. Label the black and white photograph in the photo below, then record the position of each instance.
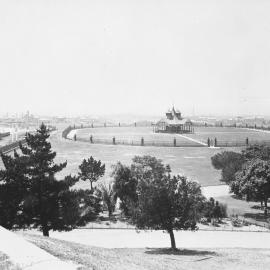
(134, 134)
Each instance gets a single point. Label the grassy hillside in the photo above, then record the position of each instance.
(153, 259)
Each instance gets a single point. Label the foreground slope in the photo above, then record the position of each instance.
(153, 258)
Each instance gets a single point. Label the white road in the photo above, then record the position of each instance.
(28, 256)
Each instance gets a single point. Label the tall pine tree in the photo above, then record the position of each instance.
(42, 203)
(31, 196)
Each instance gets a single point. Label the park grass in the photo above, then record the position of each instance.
(89, 257)
(194, 162)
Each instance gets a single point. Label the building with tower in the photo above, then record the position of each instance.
(174, 123)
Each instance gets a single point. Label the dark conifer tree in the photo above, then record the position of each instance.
(42, 202)
(31, 196)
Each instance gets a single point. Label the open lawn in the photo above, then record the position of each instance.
(134, 134)
(194, 162)
(229, 134)
(90, 257)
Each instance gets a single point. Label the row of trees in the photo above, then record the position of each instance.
(247, 173)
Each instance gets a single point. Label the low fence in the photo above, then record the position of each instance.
(244, 143)
(141, 142)
(210, 142)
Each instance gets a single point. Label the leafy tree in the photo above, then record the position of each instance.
(108, 196)
(91, 170)
(167, 203)
(229, 163)
(256, 152)
(148, 166)
(213, 209)
(253, 181)
(80, 206)
(126, 178)
(124, 186)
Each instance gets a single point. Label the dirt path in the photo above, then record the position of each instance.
(193, 140)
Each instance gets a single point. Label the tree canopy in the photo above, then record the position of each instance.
(126, 178)
(91, 170)
(229, 163)
(31, 196)
(253, 181)
(168, 203)
(247, 172)
(158, 200)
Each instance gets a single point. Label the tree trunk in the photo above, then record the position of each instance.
(91, 185)
(45, 230)
(173, 245)
(265, 203)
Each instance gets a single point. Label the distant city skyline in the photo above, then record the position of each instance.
(104, 57)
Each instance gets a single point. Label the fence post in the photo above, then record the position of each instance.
(75, 137)
(208, 142)
(142, 141)
(215, 142)
(113, 140)
(174, 142)
(91, 139)
(246, 141)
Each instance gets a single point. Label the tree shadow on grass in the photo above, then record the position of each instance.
(180, 252)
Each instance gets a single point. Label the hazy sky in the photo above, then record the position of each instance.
(132, 56)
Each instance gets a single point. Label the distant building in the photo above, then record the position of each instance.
(173, 123)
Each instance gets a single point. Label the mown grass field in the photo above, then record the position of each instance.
(194, 162)
(134, 134)
(129, 135)
(89, 257)
(229, 134)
